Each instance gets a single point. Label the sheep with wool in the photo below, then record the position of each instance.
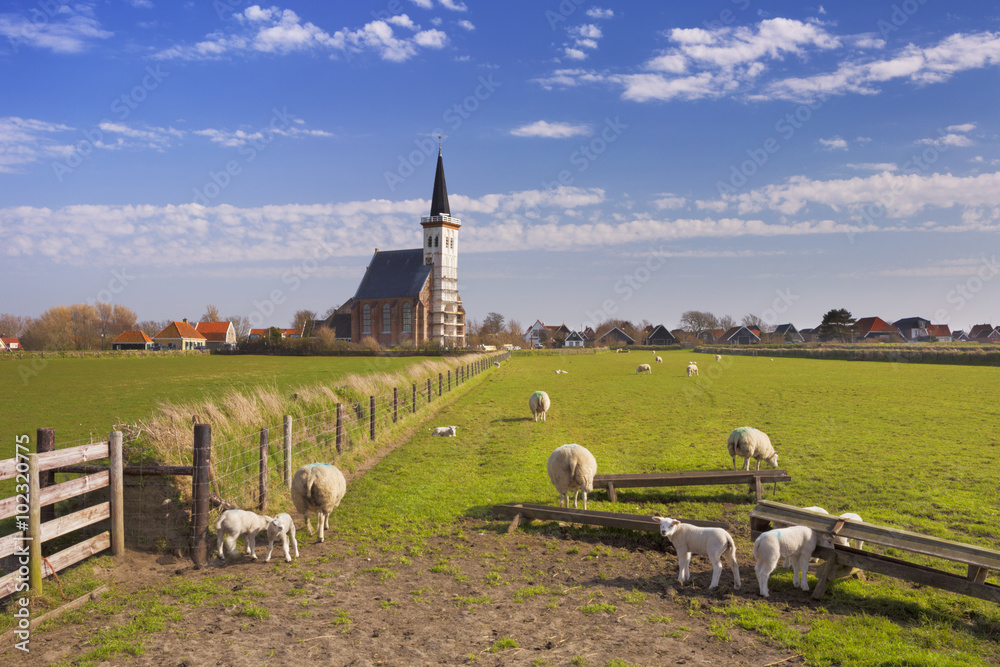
(749, 443)
(718, 357)
(239, 523)
(539, 404)
(318, 487)
(659, 360)
(572, 468)
(281, 526)
(795, 542)
(692, 369)
(445, 431)
(643, 368)
(713, 543)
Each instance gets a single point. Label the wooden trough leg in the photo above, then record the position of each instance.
(515, 523)
(612, 494)
(978, 574)
(758, 488)
(825, 575)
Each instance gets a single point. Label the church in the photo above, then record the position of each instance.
(411, 296)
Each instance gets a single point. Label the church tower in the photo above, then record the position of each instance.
(446, 316)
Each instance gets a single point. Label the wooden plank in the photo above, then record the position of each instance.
(891, 537)
(592, 517)
(72, 455)
(58, 492)
(70, 606)
(10, 583)
(77, 552)
(690, 478)
(130, 470)
(75, 521)
(10, 543)
(8, 468)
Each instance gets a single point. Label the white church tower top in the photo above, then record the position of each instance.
(447, 317)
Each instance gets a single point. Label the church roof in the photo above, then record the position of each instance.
(439, 200)
(394, 274)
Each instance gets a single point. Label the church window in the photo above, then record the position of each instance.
(386, 319)
(430, 242)
(407, 318)
(435, 242)
(366, 319)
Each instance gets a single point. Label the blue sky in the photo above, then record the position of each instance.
(634, 160)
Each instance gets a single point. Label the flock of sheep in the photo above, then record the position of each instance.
(692, 367)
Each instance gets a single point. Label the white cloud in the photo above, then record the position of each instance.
(237, 138)
(467, 25)
(453, 5)
(574, 54)
(277, 31)
(424, 4)
(600, 13)
(541, 128)
(964, 127)
(669, 201)
(834, 144)
(146, 137)
(72, 28)
(950, 139)
(717, 206)
(873, 166)
(26, 140)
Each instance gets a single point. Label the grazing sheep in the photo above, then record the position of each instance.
(851, 516)
(820, 510)
(558, 372)
(748, 442)
(713, 543)
(572, 468)
(539, 404)
(692, 368)
(659, 360)
(318, 487)
(283, 526)
(496, 364)
(796, 542)
(239, 523)
(643, 368)
(718, 357)
(445, 431)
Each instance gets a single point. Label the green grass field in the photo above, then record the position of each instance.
(911, 446)
(83, 397)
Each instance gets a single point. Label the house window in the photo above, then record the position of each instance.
(366, 319)
(386, 319)
(407, 318)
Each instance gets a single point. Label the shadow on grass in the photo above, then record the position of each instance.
(511, 420)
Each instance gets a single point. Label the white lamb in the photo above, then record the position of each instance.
(713, 543)
(718, 357)
(283, 526)
(496, 364)
(796, 542)
(659, 360)
(572, 468)
(445, 431)
(318, 487)
(539, 404)
(643, 368)
(239, 523)
(749, 443)
(692, 368)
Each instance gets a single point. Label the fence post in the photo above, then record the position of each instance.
(340, 427)
(117, 493)
(46, 442)
(428, 390)
(199, 494)
(395, 404)
(371, 416)
(262, 497)
(449, 379)
(34, 525)
(440, 383)
(414, 398)
(288, 452)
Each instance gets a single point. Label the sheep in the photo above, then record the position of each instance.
(796, 542)
(445, 431)
(659, 360)
(779, 525)
(851, 516)
(239, 523)
(572, 468)
(692, 369)
(496, 364)
(318, 487)
(718, 357)
(561, 372)
(748, 442)
(714, 543)
(283, 526)
(643, 368)
(539, 404)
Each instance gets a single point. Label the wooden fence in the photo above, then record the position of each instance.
(27, 509)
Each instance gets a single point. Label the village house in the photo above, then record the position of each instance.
(179, 336)
(218, 335)
(132, 340)
(875, 328)
(659, 335)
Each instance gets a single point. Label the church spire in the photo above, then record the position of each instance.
(439, 200)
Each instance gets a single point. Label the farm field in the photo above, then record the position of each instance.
(417, 571)
(83, 397)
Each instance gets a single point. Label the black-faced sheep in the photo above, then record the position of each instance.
(539, 404)
(318, 487)
(239, 523)
(749, 443)
(795, 542)
(713, 543)
(572, 468)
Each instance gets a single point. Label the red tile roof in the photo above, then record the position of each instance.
(12, 343)
(980, 331)
(215, 331)
(132, 337)
(939, 330)
(179, 330)
(870, 325)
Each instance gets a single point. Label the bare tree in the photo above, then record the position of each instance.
(13, 326)
(241, 325)
(752, 321)
(152, 327)
(302, 319)
(492, 325)
(698, 322)
(726, 322)
(211, 314)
